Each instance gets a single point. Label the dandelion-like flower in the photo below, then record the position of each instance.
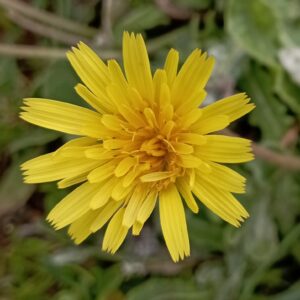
(145, 141)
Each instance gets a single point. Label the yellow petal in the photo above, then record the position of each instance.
(224, 178)
(189, 161)
(156, 176)
(137, 66)
(150, 117)
(90, 98)
(58, 115)
(182, 148)
(136, 228)
(103, 194)
(136, 99)
(69, 151)
(80, 229)
(116, 74)
(120, 192)
(96, 130)
(67, 182)
(191, 103)
(208, 125)
(125, 108)
(99, 153)
(73, 206)
(159, 79)
(189, 118)
(185, 191)
(220, 202)
(112, 122)
(92, 71)
(195, 72)
(124, 166)
(75, 147)
(173, 223)
(167, 112)
(147, 207)
(115, 233)
(134, 204)
(134, 173)
(94, 62)
(191, 176)
(191, 138)
(192, 161)
(171, 66)
(219, 148)
(104, 214)
(234, 107)
(48, 167)
(112, 144)
(103, 172)
(168, 128)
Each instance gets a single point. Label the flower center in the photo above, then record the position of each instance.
(161, 157)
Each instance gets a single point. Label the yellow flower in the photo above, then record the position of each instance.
(145, 141)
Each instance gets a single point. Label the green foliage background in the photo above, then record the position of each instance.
(257, 47)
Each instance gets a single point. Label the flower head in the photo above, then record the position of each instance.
(145, 141)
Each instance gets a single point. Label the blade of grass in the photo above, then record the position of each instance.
(48, 18)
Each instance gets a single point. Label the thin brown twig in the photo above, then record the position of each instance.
(24, 51)
(106, 36)
(284, 161)
(45, 30)
(37, 52)
(291, 136)
(48, 18)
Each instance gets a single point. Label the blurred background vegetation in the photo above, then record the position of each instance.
(257, 47)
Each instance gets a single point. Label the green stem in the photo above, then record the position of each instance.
(48, 18)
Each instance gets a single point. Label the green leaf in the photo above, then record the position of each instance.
(167, 289)
(83, 11)
(289, 18)
(107, 281)
(270, 114)
(141, 18)
(288, 91)
(211, 275)
(286, 187)
(195, 4)
(204, 235)
(253, 26)
(11, 81)
(33, 137)
(261, 244)
(13, 192)
(64, 8)
(58, 82)
(293, 293)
